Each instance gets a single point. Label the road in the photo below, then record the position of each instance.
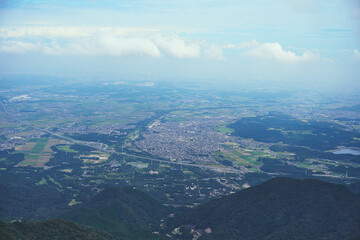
(94, 145)
(34, 127)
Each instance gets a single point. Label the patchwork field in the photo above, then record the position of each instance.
(241, 156)
(37, 151)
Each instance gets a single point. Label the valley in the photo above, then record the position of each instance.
(179, 120)
(181, 147)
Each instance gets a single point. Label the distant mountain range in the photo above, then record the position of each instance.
(281, 208)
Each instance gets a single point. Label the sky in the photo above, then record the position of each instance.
(303, 42)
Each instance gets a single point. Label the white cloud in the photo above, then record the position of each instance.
(18, 47)
(176, 47)
(109, 41)
(214, 52)
(109, 44)
(105, 45)
(105, 41)
(274, 50)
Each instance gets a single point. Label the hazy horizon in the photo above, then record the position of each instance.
(290, 44)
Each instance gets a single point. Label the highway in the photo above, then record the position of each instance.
(34, 127)
(94, 145)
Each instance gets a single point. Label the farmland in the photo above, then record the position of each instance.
(182, 148)
(37, 151)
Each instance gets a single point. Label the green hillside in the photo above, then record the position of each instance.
(52, 229)
(281, 208)
(124, 212)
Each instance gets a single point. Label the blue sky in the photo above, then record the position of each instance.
(299, 41)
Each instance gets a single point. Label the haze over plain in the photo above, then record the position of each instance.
(293, 44)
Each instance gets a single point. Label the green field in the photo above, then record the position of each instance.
(41, 182)
(252, 158)
(39, 146)
(32, 157)
(222, 128)
(229, 156)
(43, 140)
(240, 156)
(55, 182)
(73, 202)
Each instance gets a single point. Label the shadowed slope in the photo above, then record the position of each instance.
(281, 208)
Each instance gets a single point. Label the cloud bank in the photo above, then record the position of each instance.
(103, 41)
(120, 42)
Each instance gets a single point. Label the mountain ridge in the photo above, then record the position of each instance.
(123, 211)
(280, 208)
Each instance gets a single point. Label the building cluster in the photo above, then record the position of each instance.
(192, 141)
(11, 143)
